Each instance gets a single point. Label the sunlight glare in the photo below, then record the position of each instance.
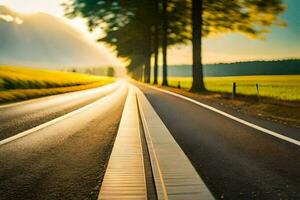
(34, 6)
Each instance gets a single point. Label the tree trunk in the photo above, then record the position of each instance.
(141, 73)
(147, 69)
(197, 10)
(147, 55)
(156, 49)
(156, 44)
(165, 42)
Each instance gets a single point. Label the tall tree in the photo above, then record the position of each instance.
(156, 41)
(174, 29)
(127, 24)
(197, 68)
(251, 17)
(164, 41)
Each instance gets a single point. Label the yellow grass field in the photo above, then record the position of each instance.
(284, 87)
(20, 83)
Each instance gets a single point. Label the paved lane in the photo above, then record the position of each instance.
(235, 161)
(65, 160)
(19, 117)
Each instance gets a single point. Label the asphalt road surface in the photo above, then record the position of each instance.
(65, 160)
(19, 117)
(235, 161)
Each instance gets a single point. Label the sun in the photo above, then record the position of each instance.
(33, 6)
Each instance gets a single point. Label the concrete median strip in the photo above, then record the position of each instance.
(175, 177)
(125, 175)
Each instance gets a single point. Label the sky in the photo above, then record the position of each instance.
(280, 43)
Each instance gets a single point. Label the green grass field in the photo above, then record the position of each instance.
(284, 87)
(20, 83)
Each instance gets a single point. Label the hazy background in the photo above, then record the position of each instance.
(36, 39)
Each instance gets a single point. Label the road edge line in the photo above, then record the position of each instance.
(269, 132)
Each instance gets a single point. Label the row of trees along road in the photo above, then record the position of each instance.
(137, 29)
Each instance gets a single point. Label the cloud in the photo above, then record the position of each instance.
(7, 18)
(11, 19)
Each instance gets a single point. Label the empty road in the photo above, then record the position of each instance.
(65, 160)
(235, 161)
(22, 116)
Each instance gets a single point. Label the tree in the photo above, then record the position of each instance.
(251, 17)
(165, 41)
(156, 42)
(127, 24)
(134, 32)
(197, 68)
(174, 28)
(111, 71)
(132, 29)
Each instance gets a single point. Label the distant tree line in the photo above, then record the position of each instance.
(286, 62)
(100, 71)
(275, 67)
(138, 29)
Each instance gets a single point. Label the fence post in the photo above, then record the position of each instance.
(257, 90)
(178, 85)
(234, 90)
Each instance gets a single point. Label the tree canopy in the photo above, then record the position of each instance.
(136, 29)
(251, 17)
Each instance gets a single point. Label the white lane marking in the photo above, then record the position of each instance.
(277, 135)
(49, 123)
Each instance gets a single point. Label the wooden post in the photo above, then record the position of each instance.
(234, 90)
(257, 90)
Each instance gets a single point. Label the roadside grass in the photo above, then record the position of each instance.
(20, 83)
(283, 87)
